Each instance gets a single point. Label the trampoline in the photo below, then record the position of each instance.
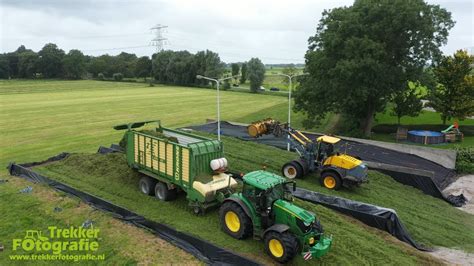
(425, 136)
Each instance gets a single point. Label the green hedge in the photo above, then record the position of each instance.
(465, 160)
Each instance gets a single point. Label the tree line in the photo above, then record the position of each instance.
(53, 62)
(167, 67)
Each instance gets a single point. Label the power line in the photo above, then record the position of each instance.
(239, 55)
(229, 50)
(78, 37)
(117, 48)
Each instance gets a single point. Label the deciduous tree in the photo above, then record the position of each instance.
(235, 70)
(454, 95)
(407, 102)
(28, 64)
(256, 73)
(209, 64)
(74, 64)
(4, 67)
(143, 67)
(243, 73)
(51, 61)
(363, 54)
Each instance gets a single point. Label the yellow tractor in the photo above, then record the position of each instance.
(321, 155)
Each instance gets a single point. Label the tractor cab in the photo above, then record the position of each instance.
(267, 190)
(263, 190)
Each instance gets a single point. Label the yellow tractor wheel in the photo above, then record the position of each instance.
(234, 221)
(282, 247)
(331, 180)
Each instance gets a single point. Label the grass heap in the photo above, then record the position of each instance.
(109, 177)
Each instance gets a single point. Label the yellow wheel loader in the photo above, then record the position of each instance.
(320, 155)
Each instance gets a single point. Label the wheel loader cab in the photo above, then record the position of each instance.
(326, 147)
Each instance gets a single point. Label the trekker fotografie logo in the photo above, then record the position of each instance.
(69, 244)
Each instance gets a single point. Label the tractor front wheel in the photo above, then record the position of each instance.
(234, 221)
(292, 170)
(146, 185)
(282, 247)
(163, 193)
(331, 180)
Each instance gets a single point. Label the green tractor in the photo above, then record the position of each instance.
(265, 210)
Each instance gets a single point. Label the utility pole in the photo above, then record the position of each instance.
(159, 40)
(217, 81)
(290, 88)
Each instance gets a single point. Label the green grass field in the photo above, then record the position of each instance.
(426, 118)
(272, 79)
(119, 242)
(43, 118)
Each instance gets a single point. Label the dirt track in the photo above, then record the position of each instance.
(453, 256)
(463, 185)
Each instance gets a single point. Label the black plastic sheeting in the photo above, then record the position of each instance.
(431, 185)
(201, 249)
(112, 148)
(372, 215)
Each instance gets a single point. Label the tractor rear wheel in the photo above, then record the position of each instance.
(331, 180)
(234, 221)
(163, 193)
(146, 185)
(292, 170)
(282, 247)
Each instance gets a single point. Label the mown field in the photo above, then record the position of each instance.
(121, 243)
(42, 118)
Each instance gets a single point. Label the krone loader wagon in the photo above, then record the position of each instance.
(172, 161)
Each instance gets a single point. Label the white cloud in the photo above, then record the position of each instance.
(276, 31)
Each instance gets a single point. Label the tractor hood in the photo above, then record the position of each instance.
(294, 210)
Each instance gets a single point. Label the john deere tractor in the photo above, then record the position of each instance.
(320, 155)
(264, 210)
